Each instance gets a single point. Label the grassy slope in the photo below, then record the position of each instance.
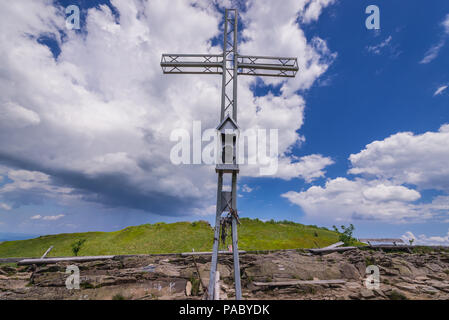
(173, 238)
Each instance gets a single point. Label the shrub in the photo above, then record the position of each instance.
(76, 246)
(345, 235)
(195, 285)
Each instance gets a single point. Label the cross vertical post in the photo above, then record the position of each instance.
(229, 65)
(228, 109)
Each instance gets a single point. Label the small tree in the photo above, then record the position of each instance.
(345, 235)
(411, 241)
(76, 246)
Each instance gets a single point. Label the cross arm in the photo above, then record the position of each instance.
(192, 63)
(267, 66)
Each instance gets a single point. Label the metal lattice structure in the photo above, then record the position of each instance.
(230, 65)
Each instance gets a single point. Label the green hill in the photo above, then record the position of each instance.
(173, 238)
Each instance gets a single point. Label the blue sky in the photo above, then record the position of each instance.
(367, 97)
(357, 86)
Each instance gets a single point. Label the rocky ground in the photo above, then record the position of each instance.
(403, 275)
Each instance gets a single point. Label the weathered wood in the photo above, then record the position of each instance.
(47, 252)
(298, 282)
(186, 254)
(335, 245)
(390, 246)
(65, 259)
(12, 260)
(331, 250)
(382, 240)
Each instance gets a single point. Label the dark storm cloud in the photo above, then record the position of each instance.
(111, 190)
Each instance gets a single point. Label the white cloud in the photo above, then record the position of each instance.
(383, 193)
(344, 200)
(15, 116)
(440, 90)
(29, 187)
(389, 168)
(97, 120)
(53, 218)
(247, 189)
(314, 9)
(377, 49)
(419, 160)
(308, 168)
(271, 22)
(426, 240)
(47, 218)
(433, 52)
(4, 206)
(205, 211)
(446, 24)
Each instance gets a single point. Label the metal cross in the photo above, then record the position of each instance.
(230, 65)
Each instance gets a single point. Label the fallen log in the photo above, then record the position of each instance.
(65, 259)
(187, 254)
(298, 282)
(335, 245)
(12, 260)
(331, 250)
(47, 252)
(393, 241)
(390, 246)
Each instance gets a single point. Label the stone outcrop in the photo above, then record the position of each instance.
(403, 275)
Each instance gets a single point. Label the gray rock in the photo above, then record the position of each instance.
(367, 294)
(348, 271)
(406, 286)
(428, 289)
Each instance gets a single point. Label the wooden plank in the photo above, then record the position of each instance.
(382, 240)
(187, 254)
(65, 259)
(390, 246)
(12, 260)
(298, 282)
(335, 245)
(47, 252)
(331, 250)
